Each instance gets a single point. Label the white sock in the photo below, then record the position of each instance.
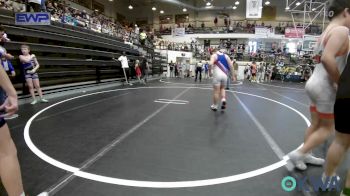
(23, 194)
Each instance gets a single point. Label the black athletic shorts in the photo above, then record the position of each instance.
(341, 115)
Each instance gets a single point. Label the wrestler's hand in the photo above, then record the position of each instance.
(10, 106)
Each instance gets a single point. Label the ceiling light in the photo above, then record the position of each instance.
(184, 10)
(154, 8)
(168, 18)
(131, 7)
(110, 0)
(287, 8)
(234, 7)
(161, 11)
(313, 9)
(208, 4)
(267, 3)
(237, 3)
(298, 3)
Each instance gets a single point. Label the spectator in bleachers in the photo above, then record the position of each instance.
(15, 5)
(33, 5)
(143, 37)
(43, 6)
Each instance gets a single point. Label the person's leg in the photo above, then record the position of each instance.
(31, 87)
(195, 79)
(336, 152)
(200, 74)
(315, 121)
(216, 96)
(223, 93)
(146, 75)
(316, 137)
(125, 75)
(346, 190)
(298, 157)
(9, 167)
(43, 5)
(228, 83)
(139, 78)
(36, 83)
(128, 74)
(319, 136)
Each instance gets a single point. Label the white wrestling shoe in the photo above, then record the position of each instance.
(214, 107)
(298, 160)
(310, 159)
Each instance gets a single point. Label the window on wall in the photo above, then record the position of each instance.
(98, 6)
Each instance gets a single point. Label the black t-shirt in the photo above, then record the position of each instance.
(344, 83)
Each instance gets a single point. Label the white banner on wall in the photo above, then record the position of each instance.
(310, 42)
(179, 32)
(264, 32)
(254, 9)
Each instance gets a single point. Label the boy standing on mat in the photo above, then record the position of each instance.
(220, 68)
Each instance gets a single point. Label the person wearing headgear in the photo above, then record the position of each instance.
(221, 67)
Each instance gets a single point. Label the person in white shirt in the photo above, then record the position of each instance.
(125, 66)
(137, 29)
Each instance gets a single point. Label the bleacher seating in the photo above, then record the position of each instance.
(69, 54)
